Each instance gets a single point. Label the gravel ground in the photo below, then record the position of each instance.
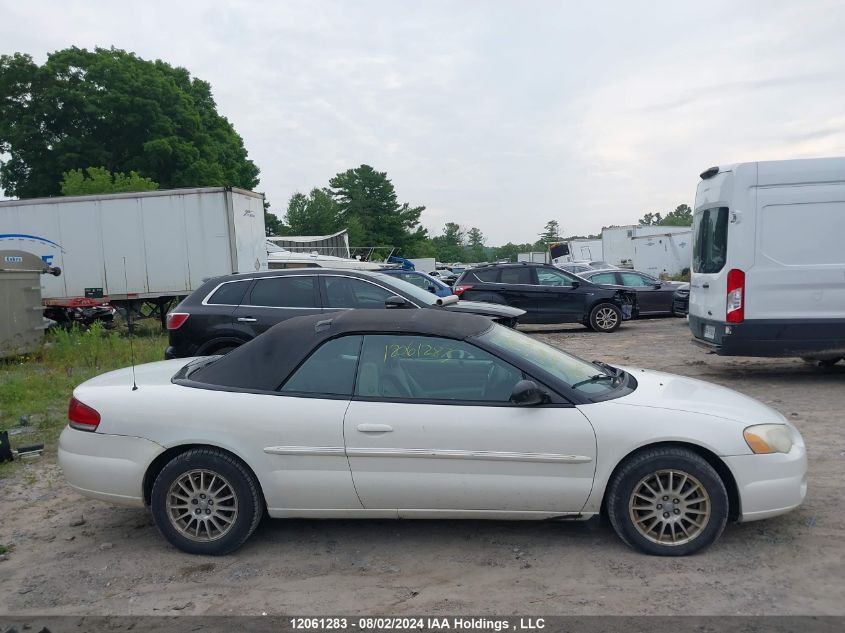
(75, 556)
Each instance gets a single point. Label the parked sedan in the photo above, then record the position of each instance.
(421, 280)
(548, 295)
(654, 297)
(228, 311)
(425, 414)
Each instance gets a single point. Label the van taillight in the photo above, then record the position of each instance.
(736, 296)
(460, 289)
(176, 319)
(82, 417)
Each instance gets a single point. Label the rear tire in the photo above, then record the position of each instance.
(605, 317)
(667, 502)
(822, 362)
(204, 501)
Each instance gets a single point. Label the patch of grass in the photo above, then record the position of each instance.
(38, 386)
(5, 549)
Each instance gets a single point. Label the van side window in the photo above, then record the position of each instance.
(710, 246)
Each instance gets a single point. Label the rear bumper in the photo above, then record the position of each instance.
(107, 467)
(769, 485)
(772, 337)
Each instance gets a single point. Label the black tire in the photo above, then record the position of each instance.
(605, 317)
(225, 349)
(247, 502)
(643, 467)
(821, 362)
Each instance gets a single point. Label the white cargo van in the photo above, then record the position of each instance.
(768, 273)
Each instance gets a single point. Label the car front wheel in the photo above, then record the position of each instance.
(204, 501)
(605, 317)
(667, 502)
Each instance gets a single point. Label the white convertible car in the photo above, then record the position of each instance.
(425, 414)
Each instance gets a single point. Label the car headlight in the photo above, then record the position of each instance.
(768, 438)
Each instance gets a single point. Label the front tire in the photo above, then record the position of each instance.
(667, 502)
(605, 317)
(204, 501)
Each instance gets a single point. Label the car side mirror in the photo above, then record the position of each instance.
(526, 393)
(575, 284)
(658, 285)
(432, 289)
(396, 302)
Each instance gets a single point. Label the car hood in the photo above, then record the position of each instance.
(485, 309)
(678, 393)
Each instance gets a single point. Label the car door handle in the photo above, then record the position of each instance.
(375, 428)
(246, 320)
(705, 285)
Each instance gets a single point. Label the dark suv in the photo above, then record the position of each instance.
(548, 295)
(228, 311)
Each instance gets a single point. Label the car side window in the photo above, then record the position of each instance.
(417, 280)
(330, 370)
(634, 280)
(604, 278)
(431, 368)
(547, 277)
(230, 293)
(348, 292)
(487, 275)
(517, 275)
(295, 291)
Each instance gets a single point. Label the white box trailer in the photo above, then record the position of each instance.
(665, 254)
(537, 257)
(618, 241)
(170, 241)
(576, 250)
(768, 274)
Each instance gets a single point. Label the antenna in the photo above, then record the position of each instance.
(129, 325)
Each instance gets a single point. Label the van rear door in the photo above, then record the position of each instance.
(709, 285)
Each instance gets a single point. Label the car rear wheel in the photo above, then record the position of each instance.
(204, 501)
(667, 502)
(605, 317)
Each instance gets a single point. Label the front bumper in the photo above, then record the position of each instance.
(107, 467)
(770, 485)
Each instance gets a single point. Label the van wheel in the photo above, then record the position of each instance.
(667, 502)
(204, 501)
(605, 317)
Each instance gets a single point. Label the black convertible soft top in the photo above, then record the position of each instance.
(266, 361)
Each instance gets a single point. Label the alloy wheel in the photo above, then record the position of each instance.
(202, 505)
(606, 318)
(669, 507)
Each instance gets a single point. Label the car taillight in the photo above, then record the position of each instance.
(736, 296)
(82, 417)
(176, 319)
(460, 289)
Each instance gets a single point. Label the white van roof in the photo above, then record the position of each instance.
(788, 172)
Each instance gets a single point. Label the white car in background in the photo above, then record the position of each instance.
(425, 414)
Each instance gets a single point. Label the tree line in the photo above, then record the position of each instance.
(104, 121)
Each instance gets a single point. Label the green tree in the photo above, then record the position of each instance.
(681, 216)
(109, 107)
(368, 205)
(551, 233)
(450, 245)
(475, 245)
(314, 214)
(100, 180)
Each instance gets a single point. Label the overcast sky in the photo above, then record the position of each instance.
(500, 115)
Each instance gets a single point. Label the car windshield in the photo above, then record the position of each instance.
(423, 297)
(575, 372)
